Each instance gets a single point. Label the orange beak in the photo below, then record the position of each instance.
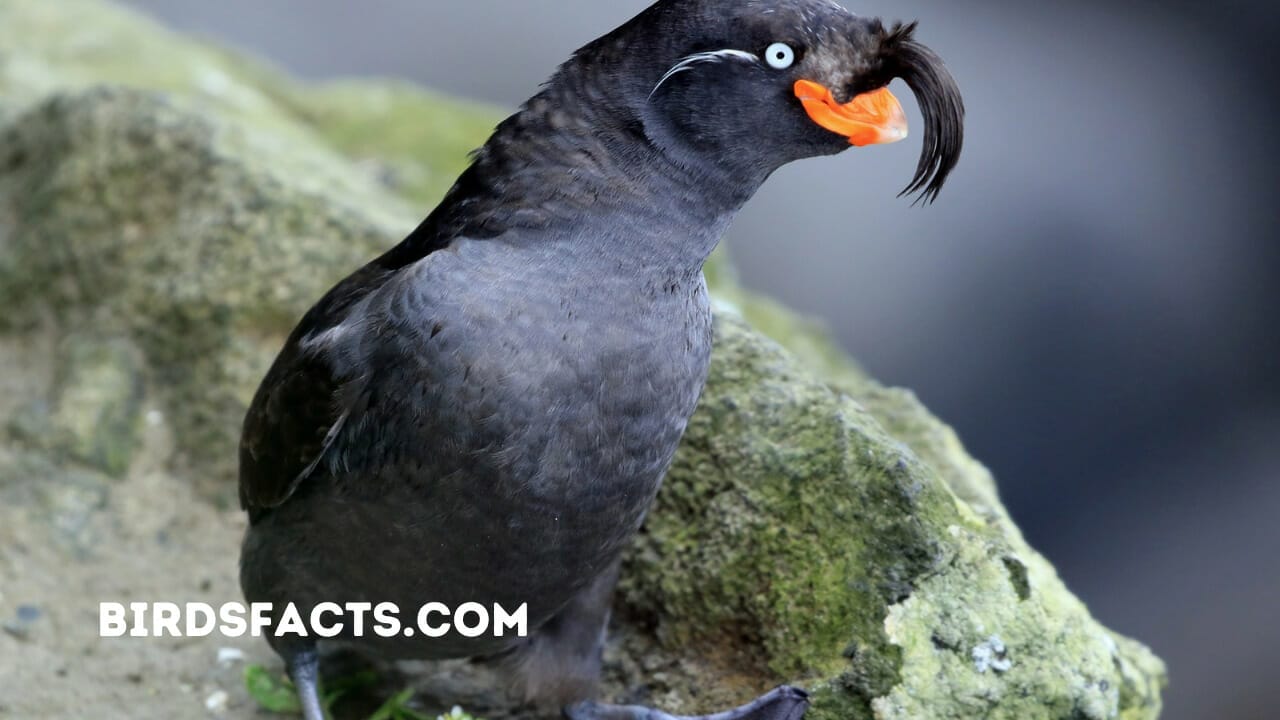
(872, 118)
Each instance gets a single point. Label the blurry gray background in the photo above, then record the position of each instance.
(1092, 303)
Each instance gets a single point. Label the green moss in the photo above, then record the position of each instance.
(99, 406)
(52, 47)
(785, 465)
(90, 413)
(846, 537)
(131, 213)
(405, 139)
(418, 141)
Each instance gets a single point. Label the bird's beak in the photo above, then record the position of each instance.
(872, 118)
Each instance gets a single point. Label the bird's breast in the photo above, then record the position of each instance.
(553, 405)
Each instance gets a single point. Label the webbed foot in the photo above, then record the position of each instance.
(784, 703)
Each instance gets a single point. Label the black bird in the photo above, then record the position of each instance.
(485, 412)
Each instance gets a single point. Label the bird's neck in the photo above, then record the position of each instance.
(575, 167)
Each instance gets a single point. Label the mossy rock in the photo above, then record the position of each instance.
(168, 209)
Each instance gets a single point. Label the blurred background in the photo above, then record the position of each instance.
(1092, 303)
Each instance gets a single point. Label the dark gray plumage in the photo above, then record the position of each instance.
(485, 412)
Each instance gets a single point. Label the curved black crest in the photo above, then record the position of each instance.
(940, 103)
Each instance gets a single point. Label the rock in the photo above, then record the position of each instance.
(167, 211)
(98, 403)
(841, 535)
(216, 702)
(67, 503)
(22, 622)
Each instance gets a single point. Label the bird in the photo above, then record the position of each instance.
(485, 412)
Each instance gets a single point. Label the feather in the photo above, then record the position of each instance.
(689, 61)
(940, 104)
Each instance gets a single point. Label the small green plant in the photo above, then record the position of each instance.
(272, 693)
(276, 694)
(395, 708)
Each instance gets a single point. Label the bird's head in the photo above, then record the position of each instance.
(760, 83)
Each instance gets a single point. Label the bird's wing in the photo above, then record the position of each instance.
(303, 404)
(294, 419)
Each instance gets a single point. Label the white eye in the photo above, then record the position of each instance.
(780, 56)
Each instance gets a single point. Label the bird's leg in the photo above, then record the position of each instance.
(304, 670)
(560, 662)
(784, 703)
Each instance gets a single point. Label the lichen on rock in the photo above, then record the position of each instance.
(168, 209)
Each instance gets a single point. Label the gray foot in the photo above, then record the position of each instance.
(784, 703)
(304, 670)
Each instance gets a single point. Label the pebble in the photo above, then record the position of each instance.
(217, 701)
(991, 655)
(25, 617)
(228, 656)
